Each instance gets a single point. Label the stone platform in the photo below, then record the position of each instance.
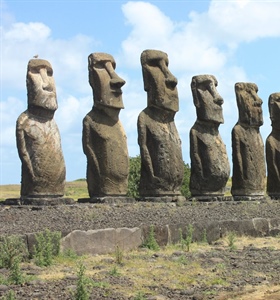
(38, 201)
(107, 200)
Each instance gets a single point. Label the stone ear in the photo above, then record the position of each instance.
(145, 79)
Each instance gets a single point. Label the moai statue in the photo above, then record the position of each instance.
(104, 139)
(272, 148)
(38, 138)
(162, 166)
(210, 167)
(248, 179)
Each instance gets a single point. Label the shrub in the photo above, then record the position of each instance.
(82, 284)
(151, 242)
(134, 176)
(47, 246)
(9, 296)
(16, 276)
(188, 240)
(118, 255)
(231, 239)
(11, 248)
(185, 189)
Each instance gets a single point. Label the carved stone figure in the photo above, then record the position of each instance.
(38, 138)
(248, 179)
(209, 161)
(272, 148)
(104, 139)
(162, 166)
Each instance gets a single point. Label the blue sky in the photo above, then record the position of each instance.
(235, 40)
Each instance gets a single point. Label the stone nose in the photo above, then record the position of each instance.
(116, 81)
(171, 81)
(45, 79)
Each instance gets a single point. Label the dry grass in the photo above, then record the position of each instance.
(73, 189)
(149, 270)
(9, 191)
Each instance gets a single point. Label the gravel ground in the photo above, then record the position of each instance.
(66, 218)
(249, 266)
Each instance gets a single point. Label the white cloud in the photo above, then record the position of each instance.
(245, 20)
(31, 32)
(70, 113)
(67, 56)
(151, 29)
(207, 40)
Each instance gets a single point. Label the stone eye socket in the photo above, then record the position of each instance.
(99, 65)
(37, 71)
(50, 72)
(153, 63)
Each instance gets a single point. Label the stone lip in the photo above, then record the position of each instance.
(164, 199)
(211, 198)
(107, 200)
(250, 198)
(40, 201)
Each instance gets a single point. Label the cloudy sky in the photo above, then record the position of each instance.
(236, 40)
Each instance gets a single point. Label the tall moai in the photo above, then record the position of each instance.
(162, 166)
(248, 178)
(210, 167)
(272, 148)
(38, 138)
(104, 139)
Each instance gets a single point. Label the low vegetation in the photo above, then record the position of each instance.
(147, 271)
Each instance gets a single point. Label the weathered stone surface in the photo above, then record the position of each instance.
(272, 148)
(175, 232)
(176, 200)
(256, 227)
(107, 200)
(104, 139)
(248, 160)
(209, 161)
(162, 166)
(208, 229)
(102, 241)
(47, 201)
(274, 226)
(38, 138)
(161, 233)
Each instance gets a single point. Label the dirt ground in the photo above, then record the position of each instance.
(252, 271)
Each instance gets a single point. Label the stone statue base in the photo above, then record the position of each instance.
(164, 199)
(251, 198)
(107, 200)
(211, 198)
(274, 196)
(40, 201)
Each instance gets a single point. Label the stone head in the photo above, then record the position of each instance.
(40, 83)
(206, 98)
(249, 104)
(105, 83)
(274, 109)
(159, 82)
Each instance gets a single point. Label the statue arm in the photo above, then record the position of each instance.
(237, 155)
(145, 154)
(271, 159)
(195, 157)
(22, 149)
(88, 146)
